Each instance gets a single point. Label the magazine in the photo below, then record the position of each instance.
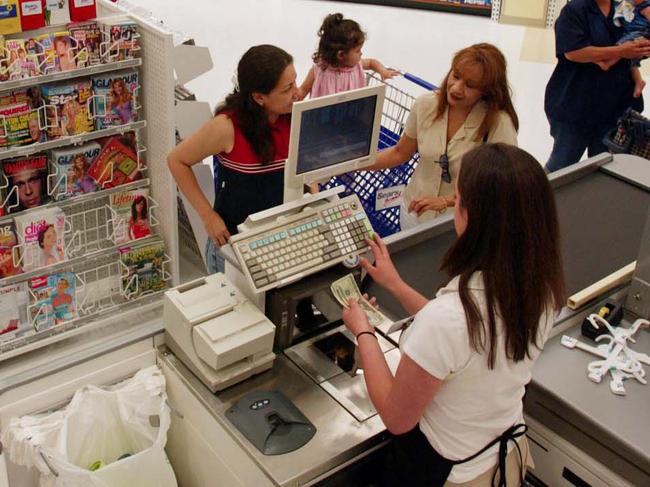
(46, 57)
(88, 38)
(19, 117)
(13, 312)
(32, 51)
(123, 43)
(19, 63)
(53, 300)
(64, 52)
(57, 12)
(117, 163)
(8, 241)
(27, 182)
(71, 166)
(41, 236)
(67, 112)
(130, 215)
(145, 263)
(115, 98)
(9, 17)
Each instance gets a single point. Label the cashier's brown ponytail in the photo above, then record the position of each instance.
(512, 237)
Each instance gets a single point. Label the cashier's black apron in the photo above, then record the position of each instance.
(413, 462)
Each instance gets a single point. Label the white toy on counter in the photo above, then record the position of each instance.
(619, 360)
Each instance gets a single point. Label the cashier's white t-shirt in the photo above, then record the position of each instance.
(474, 404)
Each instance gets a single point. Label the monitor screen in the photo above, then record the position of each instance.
(335, 133)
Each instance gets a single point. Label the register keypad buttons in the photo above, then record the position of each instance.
(302, 245)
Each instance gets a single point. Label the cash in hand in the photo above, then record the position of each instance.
(345, 289)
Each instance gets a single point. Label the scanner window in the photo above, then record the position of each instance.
(339, 349)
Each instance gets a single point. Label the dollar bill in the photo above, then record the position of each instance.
(345, 289)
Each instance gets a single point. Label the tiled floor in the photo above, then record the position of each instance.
(418, 41)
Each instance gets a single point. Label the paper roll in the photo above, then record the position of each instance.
(607, 283)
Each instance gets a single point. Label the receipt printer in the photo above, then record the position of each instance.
(217, 332)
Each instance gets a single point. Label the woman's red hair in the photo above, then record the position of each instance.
(496, 91)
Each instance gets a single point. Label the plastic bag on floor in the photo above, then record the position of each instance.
(81, 444)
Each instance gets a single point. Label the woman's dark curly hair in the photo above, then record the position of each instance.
(258, 71)
(337, 34)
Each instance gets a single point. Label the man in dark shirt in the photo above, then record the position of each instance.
(583, 100)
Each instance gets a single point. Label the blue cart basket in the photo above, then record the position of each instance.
(397, 106)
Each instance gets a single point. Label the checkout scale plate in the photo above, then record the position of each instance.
(329, 359)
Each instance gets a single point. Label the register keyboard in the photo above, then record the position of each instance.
(279, 253)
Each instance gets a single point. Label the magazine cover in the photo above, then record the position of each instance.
(19, 117)
(122, 42)
(131, 215)
(8, 241)
(46, 57)
(41, 236)
(145, 263)
(67, 111)
(32, 52)
(57, 12)
(71, 165)
(9, 17)
(115, 98)
(13, 312)
(18, 62)
(28, 175)
(64, 53)
(54, 300)
(117, 163)
(4, 73)
(88, 38)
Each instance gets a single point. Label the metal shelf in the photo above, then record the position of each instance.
(70, 263)
(86, 324)
(140, 183)
(74, 73)
(27, 150)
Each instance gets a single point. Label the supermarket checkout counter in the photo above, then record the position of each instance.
(602, 204)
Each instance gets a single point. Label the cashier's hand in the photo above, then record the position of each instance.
(420, 205)
(216, 228)
(383, 271)
(355, 318)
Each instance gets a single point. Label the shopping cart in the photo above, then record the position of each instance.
(365, 184)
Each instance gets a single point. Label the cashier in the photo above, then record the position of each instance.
(455, 402)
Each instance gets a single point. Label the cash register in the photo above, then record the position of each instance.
(288, 256)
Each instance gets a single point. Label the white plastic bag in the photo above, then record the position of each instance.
(99, 425)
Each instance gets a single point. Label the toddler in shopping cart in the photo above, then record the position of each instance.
(338, 65)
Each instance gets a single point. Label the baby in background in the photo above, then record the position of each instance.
(338, 65)
(634, 17)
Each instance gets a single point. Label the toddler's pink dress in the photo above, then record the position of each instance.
(335, 80)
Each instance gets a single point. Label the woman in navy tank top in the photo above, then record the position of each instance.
(249, 140)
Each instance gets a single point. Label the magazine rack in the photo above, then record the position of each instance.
(87, 231)
(104, 284)
(102, 288)
(57, 184)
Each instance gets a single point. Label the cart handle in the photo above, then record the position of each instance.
(420, 82)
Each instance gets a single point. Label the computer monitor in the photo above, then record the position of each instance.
(332, 135)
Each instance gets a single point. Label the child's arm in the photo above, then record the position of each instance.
(305, 87)
(379, 68)
(639, 84)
